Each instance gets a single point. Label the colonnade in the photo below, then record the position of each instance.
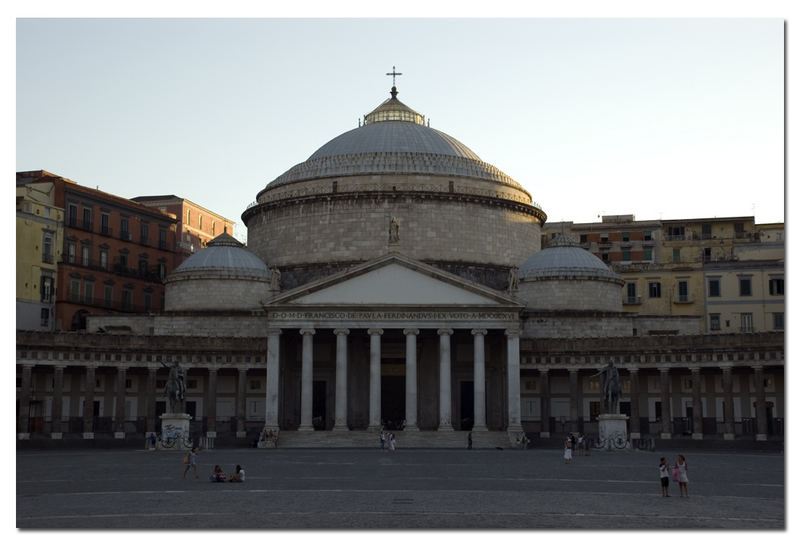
(411, 394)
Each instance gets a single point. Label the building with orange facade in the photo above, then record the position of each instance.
(115, 253)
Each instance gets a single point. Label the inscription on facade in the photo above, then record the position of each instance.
(390, 316)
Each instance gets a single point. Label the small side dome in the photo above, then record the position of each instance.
(225, 253)
(221, 276)
(564, 276)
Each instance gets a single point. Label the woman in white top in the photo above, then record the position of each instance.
(238, 475)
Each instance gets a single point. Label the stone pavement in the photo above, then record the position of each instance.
(354, 489)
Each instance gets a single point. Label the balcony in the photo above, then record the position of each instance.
(48, 258)
(631, 300)
(683, 299)
(105, 230)
(151, 273)
(125, 236)
(115, 305)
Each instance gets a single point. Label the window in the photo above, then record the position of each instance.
(72, 215)
(626, 255)
(127, 298)
(123, 228)
(706, 232)
(46, 288)
(162, 270)
(626, 236)
(676, 255)
(584, 239)
(108, 296)
(142, 266)
(148, 302)
(71, 251)
(145, 231)
(745, 287)
(45, 317)
(747, 322)
(123, 260)
(604, 238)
(676, 233)
(776, 286)
(213, 228)
(87, 218)
(47, 247)
(88, 292)
(162, 239)
(189, 217)
(648, 235)
(777, 321)
(74, 290)
(104, 259)
(104, 224)
(713, 322)
(706, 254)
(630, 289)
(683, 291)
(714, 288)
(654, 289)
(85, 253)
(200, 222)
(605, 257)
(648, 254)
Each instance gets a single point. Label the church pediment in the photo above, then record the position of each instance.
(394, 280)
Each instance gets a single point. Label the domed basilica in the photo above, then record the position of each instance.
(396, 280)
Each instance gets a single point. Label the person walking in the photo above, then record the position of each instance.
(683, 478)
(469, 440)
(391, 441)
(191, 462)
(581, 444)
(383, 439)
(663, 472)
(568, 450)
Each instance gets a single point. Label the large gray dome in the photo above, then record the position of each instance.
(225, 253)
(564, 258)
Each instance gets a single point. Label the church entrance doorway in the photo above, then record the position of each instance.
(318, 412)
(467, 416)
(393, 403)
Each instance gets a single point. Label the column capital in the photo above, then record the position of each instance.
(543, 371)
(308, 331)
(273, 332)
(757, 367)
(341, 332)
(479, 332)
(632, 369)
(415, 332)
(573, 370)
(373, 332)
(212, 369)
(664, 369)
(512, 332)
(726, 368)
(444, 332)
(59, 367)
(695, 369)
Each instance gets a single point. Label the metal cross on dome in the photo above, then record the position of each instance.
(393, 73)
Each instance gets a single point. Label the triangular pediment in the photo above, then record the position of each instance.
(394, 280)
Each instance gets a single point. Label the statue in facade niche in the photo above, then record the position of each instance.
(610, 387)
(274, 279)
(394, 231)
(175, 388)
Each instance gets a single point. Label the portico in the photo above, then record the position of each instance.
(392, 339)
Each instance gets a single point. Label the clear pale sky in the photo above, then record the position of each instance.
(661, 118)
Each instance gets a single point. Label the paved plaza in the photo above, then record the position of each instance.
(355, 489)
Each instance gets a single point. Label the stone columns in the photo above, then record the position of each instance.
(761, 403)
(374, 378)
(573, 399)
(479, 377)
(211, 404)
(727, 387)
(88, 403)
(307, 380)
(635, 416)
(512, 351)
(119, 411)
(58, 402)
(666, 409)
(150, 400)
(697, 405)
(273, 377)
(241, 431)
(340, 413)
(23, 424)
(445, 408)
(411, 379)
(544, 379)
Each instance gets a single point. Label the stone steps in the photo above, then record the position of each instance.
(403, 439)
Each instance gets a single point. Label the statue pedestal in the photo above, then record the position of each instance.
(613, 432)
(175, 432)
